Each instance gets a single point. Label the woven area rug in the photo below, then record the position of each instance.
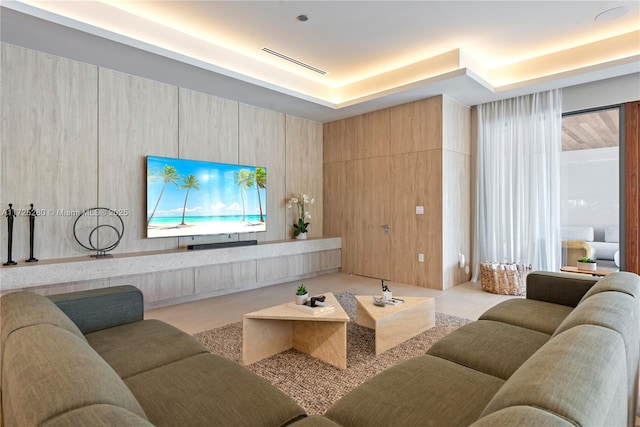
(314, 384)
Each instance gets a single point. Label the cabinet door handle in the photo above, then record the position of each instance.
(387, 228)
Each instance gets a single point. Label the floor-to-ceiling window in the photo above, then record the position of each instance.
(590, 182)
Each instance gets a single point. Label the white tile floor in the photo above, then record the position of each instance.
(466, 300)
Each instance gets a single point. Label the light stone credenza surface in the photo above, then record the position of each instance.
(173, 276)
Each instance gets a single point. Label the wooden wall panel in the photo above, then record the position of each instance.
(333, 149)
(404, 166)
(262, 143)
(208, 130)
(49, 149)
(416, 126)
(208, 127)
(138, 117)
(304, 170)
(416, 180)
(632, 170)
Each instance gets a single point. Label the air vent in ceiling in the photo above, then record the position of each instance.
(295, 61)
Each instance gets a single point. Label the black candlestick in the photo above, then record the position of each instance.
(32, 226)
(10, 215)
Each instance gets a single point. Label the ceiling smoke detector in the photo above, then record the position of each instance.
(293, 60)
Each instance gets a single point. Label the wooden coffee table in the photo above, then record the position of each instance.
(276, 329)
(596, 273)
(396, 324)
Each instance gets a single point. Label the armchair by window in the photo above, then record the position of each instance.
(576, 243)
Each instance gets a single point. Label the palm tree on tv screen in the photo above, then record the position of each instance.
(188, 182)
(244, 180)
(261, 183)
(168, 175)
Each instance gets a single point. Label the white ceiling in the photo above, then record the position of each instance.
(375, 53)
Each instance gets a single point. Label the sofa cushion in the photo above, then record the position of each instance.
(612, 234)
(604, 250)
(579, 375)
(617, 311)
(139, 346)
(494, 348)
(96, 309)
(425, 390)
(97, 416)
(531, 314)
(577, 232)
(208, 389)
(522, 416)
(24, 308)
(48, 371)
(620, 281)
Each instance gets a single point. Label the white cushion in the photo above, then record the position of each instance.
(604, 250)
(612, 234)
(574, 232)
(616, 258)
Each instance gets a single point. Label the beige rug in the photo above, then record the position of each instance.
(316, 385)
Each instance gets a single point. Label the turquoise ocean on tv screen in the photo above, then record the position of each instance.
(169, 220)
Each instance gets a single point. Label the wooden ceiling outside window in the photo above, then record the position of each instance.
(596, 129)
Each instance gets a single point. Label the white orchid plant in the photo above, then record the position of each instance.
(304, 216)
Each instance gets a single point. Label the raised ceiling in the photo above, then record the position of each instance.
(375, 53)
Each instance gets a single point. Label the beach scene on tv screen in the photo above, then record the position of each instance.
(192, 197)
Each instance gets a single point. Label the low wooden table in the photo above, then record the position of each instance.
(396, 324)
(276, 329)
(597, 273)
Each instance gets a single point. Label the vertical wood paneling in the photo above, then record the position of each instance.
(137, 117)
(208, 127)
(416, 126)
(49, 149)
(262, 143)
(409, 163)
(632, 167)
(304, 170)
(208, 130)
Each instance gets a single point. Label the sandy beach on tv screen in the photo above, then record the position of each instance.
(201, 229)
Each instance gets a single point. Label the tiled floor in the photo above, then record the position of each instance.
(467, 300)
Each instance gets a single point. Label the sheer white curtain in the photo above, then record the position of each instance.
(517, 197)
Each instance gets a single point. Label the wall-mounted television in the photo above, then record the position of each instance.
(193, 198)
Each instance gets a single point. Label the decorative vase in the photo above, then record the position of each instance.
(302, 236)
(587, 266)
(301, 299)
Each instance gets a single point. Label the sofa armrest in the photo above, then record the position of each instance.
(558, 288)
(102, 308)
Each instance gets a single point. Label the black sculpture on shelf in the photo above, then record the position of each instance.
(32, 225)
(10, 213)
(91, 222)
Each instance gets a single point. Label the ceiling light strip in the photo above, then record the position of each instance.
(295, 61)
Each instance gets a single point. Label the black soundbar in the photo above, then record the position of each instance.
(222, 245)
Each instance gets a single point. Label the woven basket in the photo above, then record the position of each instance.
(504, 279)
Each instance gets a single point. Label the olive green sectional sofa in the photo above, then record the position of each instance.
(566, 355)
(89, 359)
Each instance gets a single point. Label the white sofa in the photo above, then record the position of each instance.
(608, 250)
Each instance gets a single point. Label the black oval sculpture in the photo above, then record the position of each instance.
(106, 220)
